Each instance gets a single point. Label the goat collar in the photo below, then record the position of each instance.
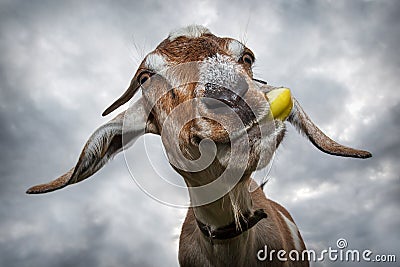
(231, 230)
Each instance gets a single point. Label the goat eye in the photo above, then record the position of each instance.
(143, 77)
(248, 59)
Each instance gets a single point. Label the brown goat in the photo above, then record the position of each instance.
(199, 94)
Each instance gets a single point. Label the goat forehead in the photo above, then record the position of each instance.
(196, 44)
(192, 49)
(185, 50)
(193, 44)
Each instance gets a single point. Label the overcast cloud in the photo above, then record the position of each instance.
(63, 62)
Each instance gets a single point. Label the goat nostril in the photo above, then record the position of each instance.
(217, 96)
(221, 100)
(225, 96)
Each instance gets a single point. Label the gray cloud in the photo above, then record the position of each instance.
(61, 64)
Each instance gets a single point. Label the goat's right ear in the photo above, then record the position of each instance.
(103, 144)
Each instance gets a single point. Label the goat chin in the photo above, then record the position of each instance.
(253, 153)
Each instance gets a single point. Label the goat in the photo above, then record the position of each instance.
(199, 94)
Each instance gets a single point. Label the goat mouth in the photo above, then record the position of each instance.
(230, 117)
(228, 107)
(252, 131)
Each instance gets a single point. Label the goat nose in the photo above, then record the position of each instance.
(225, 96)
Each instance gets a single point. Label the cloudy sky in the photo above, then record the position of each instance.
(63, 63)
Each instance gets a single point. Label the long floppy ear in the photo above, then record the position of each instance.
(299, 119)
(129, 93)
(103, 144)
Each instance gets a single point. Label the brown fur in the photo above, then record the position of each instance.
(196, 250)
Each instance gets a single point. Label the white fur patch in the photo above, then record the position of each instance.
(293, 231)
(220, 70)
(191, 31)
(156, 62)
(236, 49)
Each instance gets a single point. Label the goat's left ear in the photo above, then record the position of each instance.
(103, 144)
(299, 119)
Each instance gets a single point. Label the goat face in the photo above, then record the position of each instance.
(198, 93)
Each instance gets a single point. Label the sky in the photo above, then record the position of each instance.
(63, 62)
